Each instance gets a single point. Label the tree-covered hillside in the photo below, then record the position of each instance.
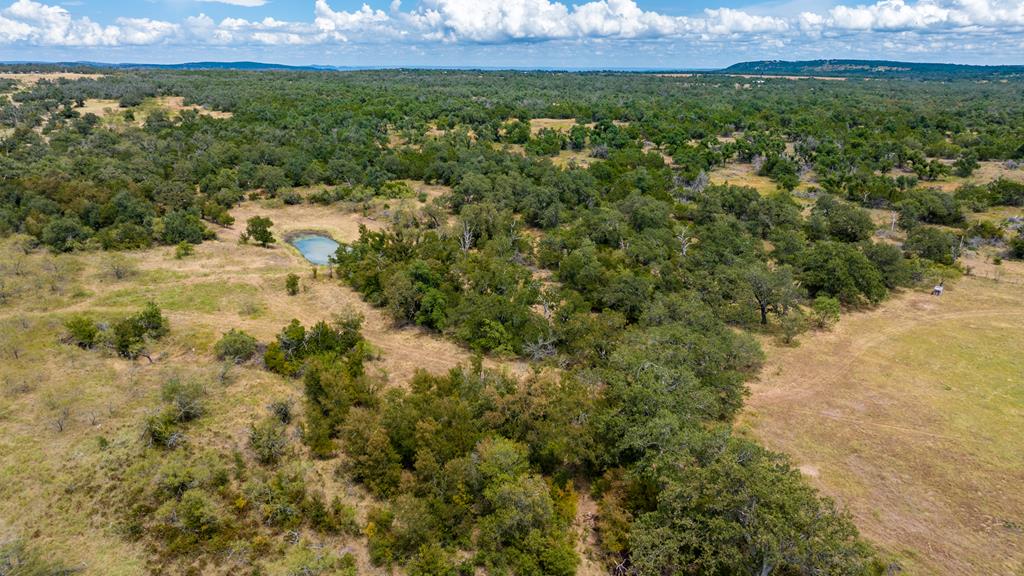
(579, 231)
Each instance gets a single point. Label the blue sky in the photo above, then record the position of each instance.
(520, 33)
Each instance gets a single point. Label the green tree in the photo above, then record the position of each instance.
(966, 164)
(774, 290)
(257, 229)
(841, 270)
(746, 512)
(180, 226)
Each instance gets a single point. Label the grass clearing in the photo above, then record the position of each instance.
(910, 416)
(59, 485)
(744, 174)
(988, 171)
(31, 79)
(111, 112)
(558, 124)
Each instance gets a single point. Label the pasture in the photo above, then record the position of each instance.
(910, 416)
(70, 418)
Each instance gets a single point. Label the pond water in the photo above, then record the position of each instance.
(315, 247)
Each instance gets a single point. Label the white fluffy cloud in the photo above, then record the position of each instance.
(41, 24)
(243, 3)
(901, 22)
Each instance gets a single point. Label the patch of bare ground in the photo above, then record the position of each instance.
(28, 80)
(559, 124)
(744, 174)
(910, 415)
(988, 171)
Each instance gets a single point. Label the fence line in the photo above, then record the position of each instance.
(1011, 278)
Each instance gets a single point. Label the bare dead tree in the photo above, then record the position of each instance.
(466, 238)
(541, 348)
(61, 420)
(686, 239)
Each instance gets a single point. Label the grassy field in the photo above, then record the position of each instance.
(910, 416)
(57, 401)
(112, 114)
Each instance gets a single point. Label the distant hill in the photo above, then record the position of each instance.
(79, 66)
(872, 68)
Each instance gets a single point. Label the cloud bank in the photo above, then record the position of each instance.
(909, 25)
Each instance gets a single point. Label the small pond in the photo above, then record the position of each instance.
(317, 248)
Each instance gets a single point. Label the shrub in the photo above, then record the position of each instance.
(236, 346)
(82, 331)
(932, 244)
(257, 229)
(195, 515)
(268, 440)
(793, 324)
(185, 398)
(396, 189)
(338, 518)
(825, 312)
(178, 227)
(282, 410)
(19, 559)
(161, 430)
(129, 334)
(1017, 247)
(184, 249)
(291, 284)
(119, 267)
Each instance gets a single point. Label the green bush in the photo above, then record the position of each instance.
(291, 284)
(258, 230)
(17, 558)
(338, 518)
(185, 398)
(932, 244)
(282, 410)
(825, 312)
(184, 249)
(82, 331)
(268, 440)
(128, 335)
(1017, 247)
(236, 346)
(162, 430)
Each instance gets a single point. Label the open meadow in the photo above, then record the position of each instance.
(910, 416)
(70, 418)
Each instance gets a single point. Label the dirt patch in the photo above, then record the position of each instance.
(176, 104)
(100, 107)
(988, 171)
(31, 79)
(909, 415)
(558, 124)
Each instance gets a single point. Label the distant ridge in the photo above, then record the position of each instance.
(25, 66)
(872, 68)
(243, 65)
(814, 68)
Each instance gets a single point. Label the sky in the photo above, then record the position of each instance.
(511, 33)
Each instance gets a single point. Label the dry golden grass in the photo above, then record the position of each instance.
(111, 111)
(566, 157)
(176, 104)
(58, 485)
(100, 107)
(31, 79)
(559, 124)
(910, 416)
(988, 171)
